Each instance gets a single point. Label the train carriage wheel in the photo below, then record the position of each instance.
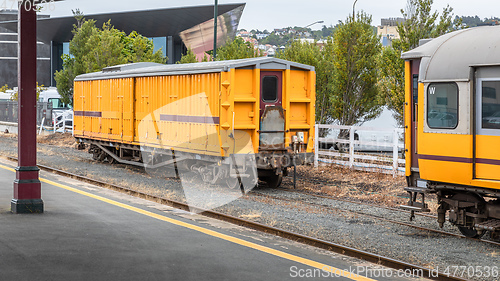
(111, 160)
(232, 183)
(470, 231)
(273, 181)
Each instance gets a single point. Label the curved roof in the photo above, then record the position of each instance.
(155, 69)
(449, 57)
(150, 23)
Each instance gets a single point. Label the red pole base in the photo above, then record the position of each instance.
(27, 192)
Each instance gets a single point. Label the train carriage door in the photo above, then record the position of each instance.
(415, 65)
(487, 135)
(272, 118)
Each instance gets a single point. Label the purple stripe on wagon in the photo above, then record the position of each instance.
(459, 159)
(190, 119)
(88, 113)
(445, 158)
(488, 161)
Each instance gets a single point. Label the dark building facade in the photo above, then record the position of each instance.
(8, 54)
(166, 27)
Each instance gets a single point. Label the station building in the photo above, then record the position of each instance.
(172, 29)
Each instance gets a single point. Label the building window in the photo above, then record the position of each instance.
(160, 43)
(442, 105)
(65, 48)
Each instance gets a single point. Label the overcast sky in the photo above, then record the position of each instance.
(270, 14)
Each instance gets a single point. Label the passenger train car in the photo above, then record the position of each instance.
(227, 120)
(452, 123)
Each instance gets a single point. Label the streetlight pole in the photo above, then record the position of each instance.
(353, 9)
(293, 38)
(216, 14)
(320, 21)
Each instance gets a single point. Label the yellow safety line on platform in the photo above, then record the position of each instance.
(271, 251)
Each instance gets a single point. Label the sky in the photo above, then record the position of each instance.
(270, 14)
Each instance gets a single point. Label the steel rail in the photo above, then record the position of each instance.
(353, 202)
(319, 243)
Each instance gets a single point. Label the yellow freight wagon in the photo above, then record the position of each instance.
(246, 117)
(452, 116)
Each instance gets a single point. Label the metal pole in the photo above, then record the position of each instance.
(353, 10)
(27, 186)
(316, 145)
(216, 14)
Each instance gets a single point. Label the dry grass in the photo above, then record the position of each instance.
(253, 214)
(341, 182)
(8, 135)
(58, 139)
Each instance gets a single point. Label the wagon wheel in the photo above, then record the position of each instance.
(470, 231)
(101, 157)
(111, 160)
(274, 181)
(232, 183)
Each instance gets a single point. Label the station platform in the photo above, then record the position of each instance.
(91, 233)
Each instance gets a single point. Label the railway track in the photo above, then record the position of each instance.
(322, 244)
(355, 202)
(259, 194)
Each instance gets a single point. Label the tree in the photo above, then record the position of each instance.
(237, 49)
(354, 96)
(93, 49)
(391, 80)
(419, 23)
(189, 57)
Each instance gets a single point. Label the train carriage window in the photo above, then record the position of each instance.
(442, 105)
(270, 89)
(415, 95)
(490, 105)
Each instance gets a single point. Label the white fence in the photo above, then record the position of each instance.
(362, 148)
(62, 122)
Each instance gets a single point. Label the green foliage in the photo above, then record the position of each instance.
(420, 23)
(354, 96)
(476, 21)
(391, 80)
(327, 31)
(237, 49)
(276, 40)
(5, 88)
(93, 49)
(346, 72)
(138, 48)
(189, 57)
